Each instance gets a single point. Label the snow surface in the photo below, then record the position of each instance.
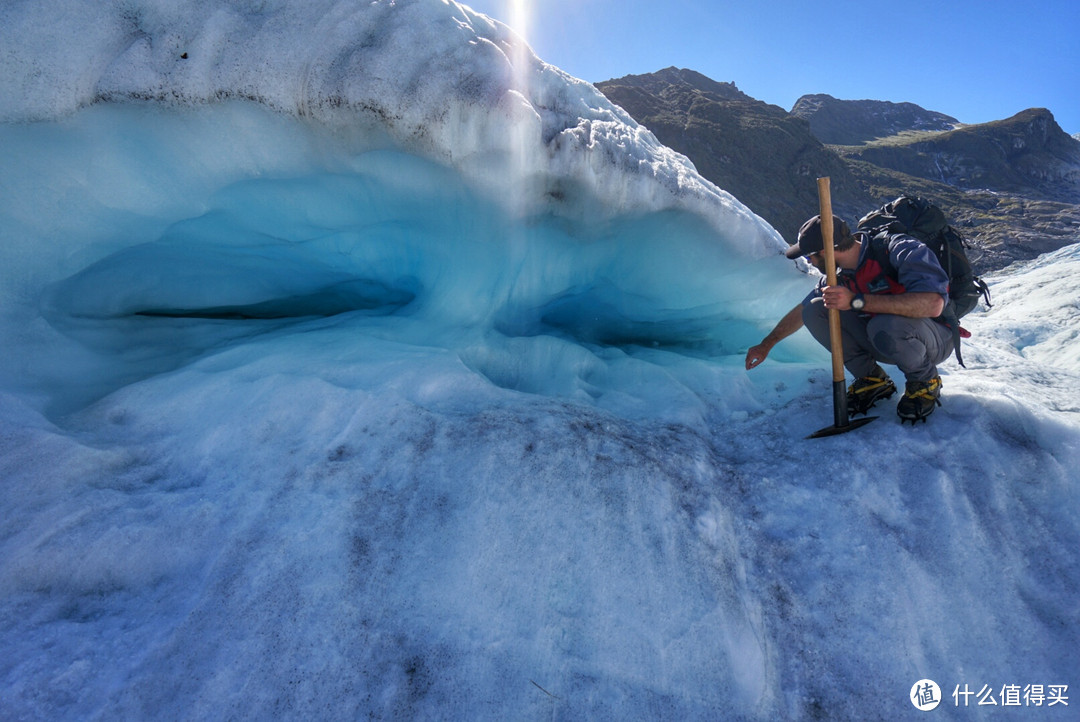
(362, 365)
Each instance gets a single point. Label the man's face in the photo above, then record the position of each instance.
(817, 260)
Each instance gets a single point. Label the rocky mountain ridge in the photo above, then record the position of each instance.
(849, 122)
(761, 154)
(1012, 186)
(1025, 154)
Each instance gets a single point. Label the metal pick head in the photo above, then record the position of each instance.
(835, 430)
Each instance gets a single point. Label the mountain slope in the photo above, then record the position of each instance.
(762, 155)
(1027, 154)
(850, 122)
(1010, 186)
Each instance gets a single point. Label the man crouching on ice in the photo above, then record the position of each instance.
(891, 294)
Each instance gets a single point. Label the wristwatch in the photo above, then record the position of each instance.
(858, 302)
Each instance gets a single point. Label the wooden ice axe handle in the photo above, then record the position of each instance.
(835, 340)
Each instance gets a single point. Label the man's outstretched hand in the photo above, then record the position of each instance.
(756, 355)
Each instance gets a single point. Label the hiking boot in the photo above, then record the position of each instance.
(919, 400)
(868, 390)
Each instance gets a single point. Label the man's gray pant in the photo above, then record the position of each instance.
(915, 345)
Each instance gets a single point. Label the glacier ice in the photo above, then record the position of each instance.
(361, 364)
(433, 78)
(164, 257)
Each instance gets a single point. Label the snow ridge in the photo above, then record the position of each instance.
(432, 77)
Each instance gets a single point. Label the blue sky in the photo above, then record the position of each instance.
(991, 59)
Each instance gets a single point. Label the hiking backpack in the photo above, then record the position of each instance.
(921, 219)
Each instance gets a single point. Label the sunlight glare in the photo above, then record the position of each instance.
(519, 13)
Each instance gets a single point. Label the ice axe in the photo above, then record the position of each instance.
(841, 423)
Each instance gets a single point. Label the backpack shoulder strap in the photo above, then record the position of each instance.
(878, 250)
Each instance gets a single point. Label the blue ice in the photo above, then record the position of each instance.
(393, 246)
